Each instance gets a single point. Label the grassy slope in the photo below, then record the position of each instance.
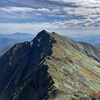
(70, 69)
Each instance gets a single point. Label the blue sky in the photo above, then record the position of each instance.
(65, 17)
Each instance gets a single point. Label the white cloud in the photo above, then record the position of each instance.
(27, 9)
(28, 27)
(16, 9)
(59, 27)
(85, 13)
(82, 11)
(84, 3)
(26, 13)
(47, 10)
(43, 9)
(85, 9)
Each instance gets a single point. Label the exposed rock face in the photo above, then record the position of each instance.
(46, 68)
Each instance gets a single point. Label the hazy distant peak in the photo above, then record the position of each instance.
(19, 33)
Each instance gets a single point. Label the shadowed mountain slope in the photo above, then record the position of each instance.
(47, 68)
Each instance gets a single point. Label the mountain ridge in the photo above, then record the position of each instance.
(46, 68)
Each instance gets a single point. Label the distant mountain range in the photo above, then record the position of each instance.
(8, 40)
(92, 39)
(50, 67)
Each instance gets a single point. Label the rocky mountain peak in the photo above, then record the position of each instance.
(43, 34)
(43, 31)
(47, 68)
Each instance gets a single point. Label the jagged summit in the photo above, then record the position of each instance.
(46, 32)
(43, 31)
(47, 68)
(43, 34)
